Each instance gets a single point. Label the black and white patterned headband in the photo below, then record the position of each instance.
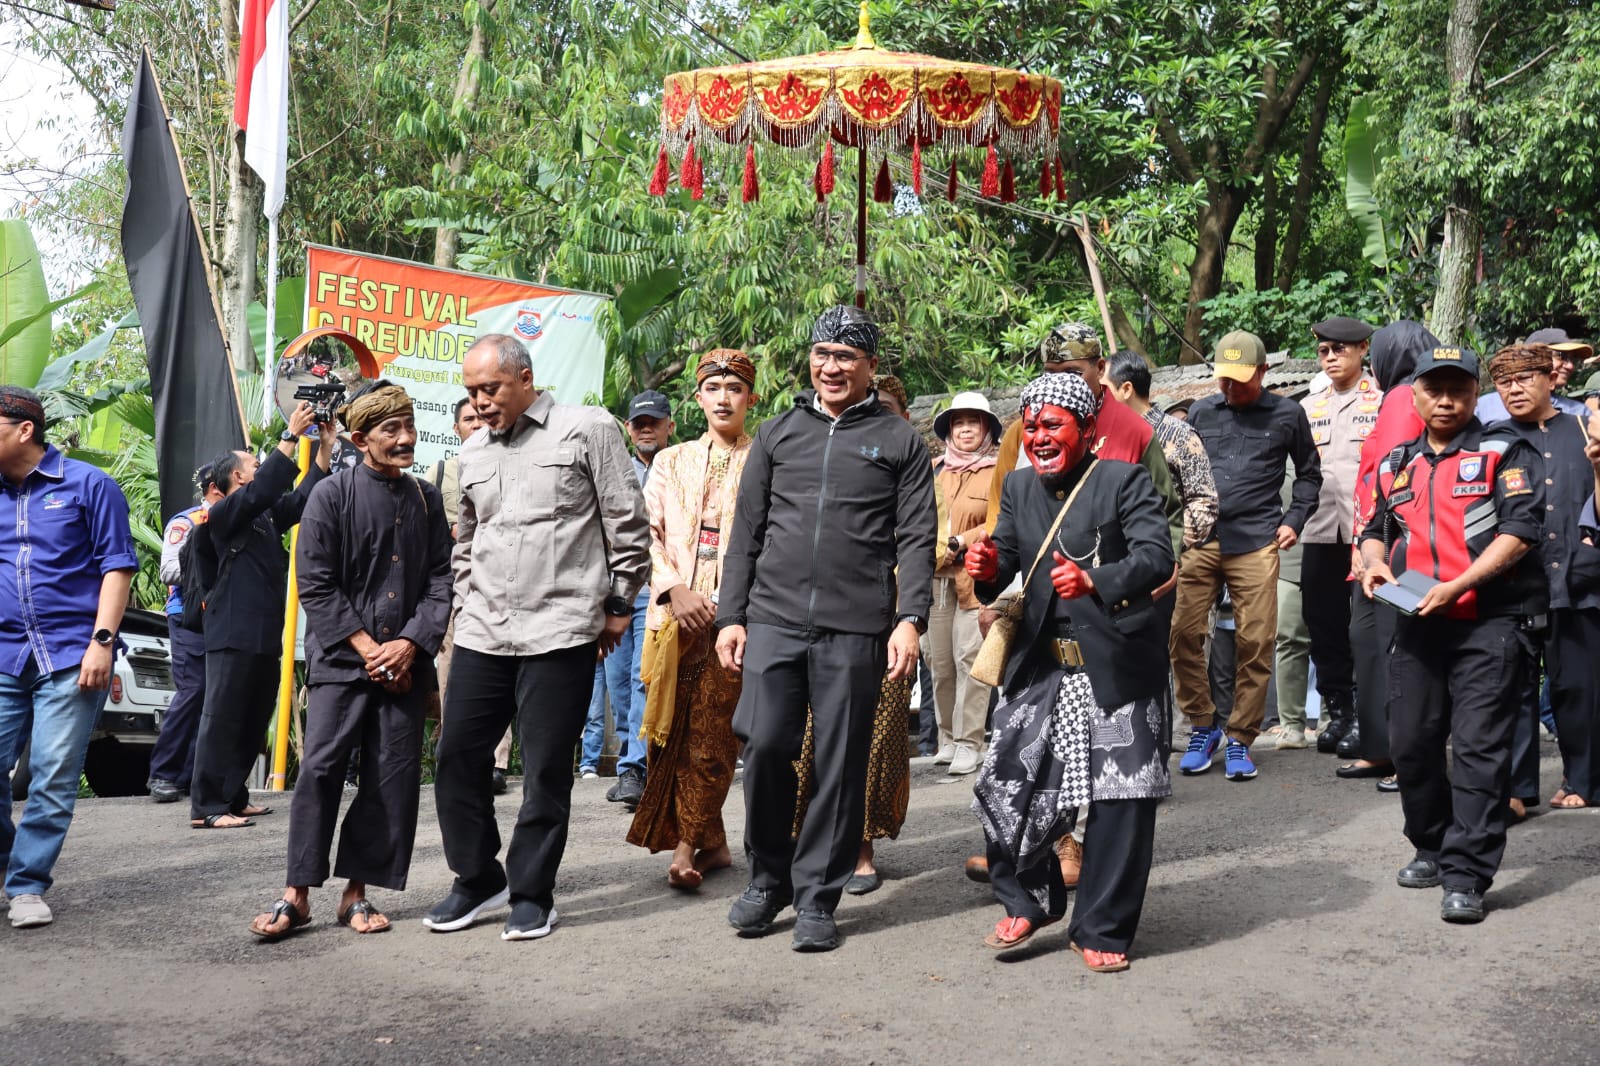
(846, 325)
(1067, 391)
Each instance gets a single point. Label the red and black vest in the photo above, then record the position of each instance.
(1446, 508)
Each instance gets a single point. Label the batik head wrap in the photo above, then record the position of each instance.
(842, 324)
(18, 402)
(1070, 340)
(1509, 362)
(720, 361)
(1067, 391)
(373, 404)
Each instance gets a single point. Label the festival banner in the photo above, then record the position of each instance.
(420, 320)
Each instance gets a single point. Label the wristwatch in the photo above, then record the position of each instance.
(289, 438)
(954, 544)
(617, 607)
(104, 637)
(916, 620)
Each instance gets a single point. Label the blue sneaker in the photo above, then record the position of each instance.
(1238, 765)
(1203, 744)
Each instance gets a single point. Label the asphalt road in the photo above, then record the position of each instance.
(1273, 932)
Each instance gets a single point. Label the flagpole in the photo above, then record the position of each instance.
(270, 363)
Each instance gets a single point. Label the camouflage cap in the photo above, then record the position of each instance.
(1070, 340)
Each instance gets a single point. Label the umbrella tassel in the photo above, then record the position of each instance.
(916, 167)
(697, 186)
(1046, 182)
(1008, 184)
(882, 189)
(658, 180)
(686, 170)
(989, 187)
(752, 185)
(1061, 181)
(955, 182)
(823, 182)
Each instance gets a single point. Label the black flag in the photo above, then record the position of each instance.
(198, 414)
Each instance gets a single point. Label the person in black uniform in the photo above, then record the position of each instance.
(244, 617)
(1463, 507)
(826, 585)
(1084, 717)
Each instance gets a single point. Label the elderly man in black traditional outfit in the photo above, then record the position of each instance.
(373, 565)
(1085, 717)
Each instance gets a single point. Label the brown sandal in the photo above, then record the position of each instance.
(1097, 963)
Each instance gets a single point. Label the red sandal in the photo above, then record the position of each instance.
(1101, 961)
(1010, 932)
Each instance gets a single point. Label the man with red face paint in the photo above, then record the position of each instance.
(1084, 717)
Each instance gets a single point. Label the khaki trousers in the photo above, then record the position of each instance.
(1294, 657)
(960, 702)
(1252, 581)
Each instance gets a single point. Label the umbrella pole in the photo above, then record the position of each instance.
(861, 229)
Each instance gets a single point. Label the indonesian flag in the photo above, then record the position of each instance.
(261, 102)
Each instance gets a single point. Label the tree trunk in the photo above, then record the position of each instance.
(237, 261)
(1215, 230)
(1267, 232)
(1463, 227)
(1306, 183)
(1126, 331)
(447, 240)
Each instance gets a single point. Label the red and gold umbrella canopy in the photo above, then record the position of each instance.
(866, 98)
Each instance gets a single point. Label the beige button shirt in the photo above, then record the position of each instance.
(1340, 423)
(551, 522)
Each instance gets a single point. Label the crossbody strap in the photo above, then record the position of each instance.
(1073, 495)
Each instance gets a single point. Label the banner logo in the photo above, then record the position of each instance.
(530, 323)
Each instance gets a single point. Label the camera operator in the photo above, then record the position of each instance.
(244, 616)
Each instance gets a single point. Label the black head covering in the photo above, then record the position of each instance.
(1396, 349)
(842, 324)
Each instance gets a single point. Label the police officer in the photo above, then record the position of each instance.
(1341, 416)
(1461, 507)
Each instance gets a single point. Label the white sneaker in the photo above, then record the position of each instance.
(1293, 738)
(28, 910)
(945, 755)
(588, 774)
(965, 761)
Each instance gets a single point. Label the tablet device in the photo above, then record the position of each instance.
(1405, 594)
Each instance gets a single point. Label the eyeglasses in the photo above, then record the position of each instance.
(1333, 348)
(843, 360)
(1519, 381)
(12, 421)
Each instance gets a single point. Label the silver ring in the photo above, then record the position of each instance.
(388, 674)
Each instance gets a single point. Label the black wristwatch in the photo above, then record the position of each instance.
(289, 438)
(617, 607)
(916, 620)
(104, 637)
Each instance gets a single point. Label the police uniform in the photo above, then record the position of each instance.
(1456, 674)
(172, 757)
(1340, 423)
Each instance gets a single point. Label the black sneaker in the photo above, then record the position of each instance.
(528, 921)
(752, 914)
(815, 931)
(1418, 873)
(498, 781)
(165, 792)
(1462, 906)
(628, 790)
(459, 910)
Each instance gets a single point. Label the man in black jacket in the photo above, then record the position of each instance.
(826, 584)
(244, 617)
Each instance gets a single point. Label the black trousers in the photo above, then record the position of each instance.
(1372, 626)
(381, 825)
(838, 676)
(1573, 659)
(172, 758)
(1325, 605)
(241, 694)
(547, 696)
(1456, 681)
(1118, 846)
(1524, 781)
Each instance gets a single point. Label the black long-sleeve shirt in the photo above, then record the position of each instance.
(1250, 449)
(828, 510)
(374, 555)
(1568, 480)
(246, 527)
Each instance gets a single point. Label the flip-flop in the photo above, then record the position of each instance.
(364, 907)
(281, 909)
(253, 812)
(1101, 967)
(214, 821)
(1558, 802)
(1014, 932)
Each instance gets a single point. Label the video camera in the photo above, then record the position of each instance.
(325, 399)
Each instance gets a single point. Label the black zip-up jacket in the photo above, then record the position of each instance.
(827, 510)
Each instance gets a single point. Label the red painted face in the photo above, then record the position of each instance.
(1053, 441)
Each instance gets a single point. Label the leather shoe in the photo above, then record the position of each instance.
(1349, 746)
(861, 884)
(497, 781)
(1462, 907)
(1069, 854)
(1328, 736)
(165, 792)
(1418, 873)
(1352, 771)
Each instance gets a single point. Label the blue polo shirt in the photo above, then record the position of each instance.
(61, 531)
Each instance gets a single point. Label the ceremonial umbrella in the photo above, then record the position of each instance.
(875, 101)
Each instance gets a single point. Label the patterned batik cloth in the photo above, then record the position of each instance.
(1054, 749)
(888, 765)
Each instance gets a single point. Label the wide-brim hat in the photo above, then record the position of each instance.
(967, 401)
(1576, 350)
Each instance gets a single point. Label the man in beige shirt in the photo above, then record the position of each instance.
(552, 545)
